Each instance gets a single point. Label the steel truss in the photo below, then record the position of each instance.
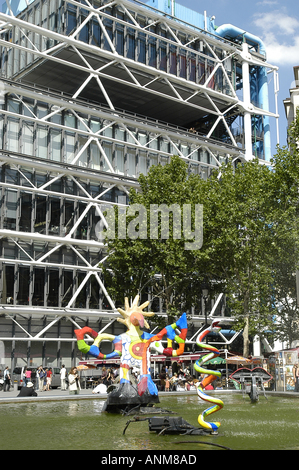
(136, 75)
(28, 47)
(76, 173)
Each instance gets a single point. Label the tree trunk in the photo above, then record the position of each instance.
(246, 338)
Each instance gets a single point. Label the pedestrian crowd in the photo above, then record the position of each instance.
(180, 378)
(42, 378)
(170, 378)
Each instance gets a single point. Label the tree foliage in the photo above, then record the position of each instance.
(250, 242)
(164, 265)
(285, 259)
(237, 241)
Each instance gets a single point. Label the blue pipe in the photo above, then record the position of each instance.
(229, 31)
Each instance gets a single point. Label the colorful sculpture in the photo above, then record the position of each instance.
(133, 347)
(218, 404)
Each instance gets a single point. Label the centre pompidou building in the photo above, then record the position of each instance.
(92, 94)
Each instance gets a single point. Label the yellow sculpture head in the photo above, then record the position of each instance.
(134, 315)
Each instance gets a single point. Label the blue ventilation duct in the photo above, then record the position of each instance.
(229, 31)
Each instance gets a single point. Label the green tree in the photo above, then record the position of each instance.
(286, 327)
(251, 240)
(285, 260)
(147, 260)
(238, 236)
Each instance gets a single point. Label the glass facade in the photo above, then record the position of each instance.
(118, 32)
(90, 142)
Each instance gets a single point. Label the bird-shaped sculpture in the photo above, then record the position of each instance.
(133, 347)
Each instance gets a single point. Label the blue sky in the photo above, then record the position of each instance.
(276, 22)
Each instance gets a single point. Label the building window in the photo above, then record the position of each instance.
(141, 48)
(192, 68)
(38, 286)
(163, 57)
(173, 60)
(27, 138)
(54, 214)
(142, 163)
(53, 293)
(94, 293)
(95, 156)
(70, 144)
(71, 21)
(12, 135)
(8, 280)
(67, 287)
(120, 39)
(182, 64)
(83, 159)
(119, 159)
(40, 214)
(152, 53)
(107, 147)
(42, 142)
(131, 43)
(55, 145)
(81, 298)
(131, 162)
(108, 26)
(24, 279)
(26, 211)
(10, 218)
(95, 33)
(84, 32)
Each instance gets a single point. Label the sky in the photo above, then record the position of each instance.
(276, 22)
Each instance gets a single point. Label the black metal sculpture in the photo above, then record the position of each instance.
(252, 380)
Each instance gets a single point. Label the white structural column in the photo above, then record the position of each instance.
(247, 102)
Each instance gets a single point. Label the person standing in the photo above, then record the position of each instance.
(23, 376)
(27, 376)
(63, 377)
(49, 379)
(167, 383)
(74, 381)
(6, 377)
(40, 375)
(296, 377)
(45, 378)
(104, 373)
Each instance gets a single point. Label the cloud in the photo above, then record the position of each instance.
(280, 33)
(268, 2)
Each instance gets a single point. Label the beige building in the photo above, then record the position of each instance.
(292, 103)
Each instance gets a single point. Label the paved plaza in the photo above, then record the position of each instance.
(86, 394)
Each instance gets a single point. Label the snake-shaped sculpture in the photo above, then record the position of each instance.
(212, 375)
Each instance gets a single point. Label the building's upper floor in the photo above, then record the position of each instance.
(172, 65)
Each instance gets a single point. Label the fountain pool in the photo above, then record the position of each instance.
(80, 424)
